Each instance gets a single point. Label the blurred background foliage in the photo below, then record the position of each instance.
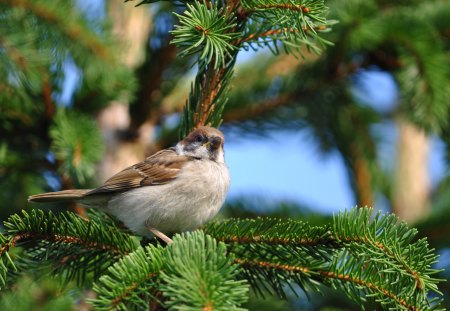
(86, 90)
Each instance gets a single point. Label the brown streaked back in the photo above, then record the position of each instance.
(158, 169)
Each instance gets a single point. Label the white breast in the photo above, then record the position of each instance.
(185, 203)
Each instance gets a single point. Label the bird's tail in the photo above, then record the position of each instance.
(59, 196)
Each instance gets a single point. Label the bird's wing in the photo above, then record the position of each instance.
(158, 169)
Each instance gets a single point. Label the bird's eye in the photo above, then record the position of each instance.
(199, 138)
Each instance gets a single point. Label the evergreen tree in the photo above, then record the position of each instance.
(373, 259)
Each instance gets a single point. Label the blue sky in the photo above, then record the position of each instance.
(301, 174)
(288, 169)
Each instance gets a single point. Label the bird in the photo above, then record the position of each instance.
(174, 190)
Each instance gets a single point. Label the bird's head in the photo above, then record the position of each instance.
(204, 143)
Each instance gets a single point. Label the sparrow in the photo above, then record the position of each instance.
(174, 190)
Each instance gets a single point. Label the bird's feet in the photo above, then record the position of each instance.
(160, 235)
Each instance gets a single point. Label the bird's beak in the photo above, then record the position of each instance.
(207, 144)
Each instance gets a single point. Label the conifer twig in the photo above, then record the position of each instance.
(367, 258)
(276, 32)
(285, 6)
(56, 238)
(74, 31)
(14, 53)
(211, 86)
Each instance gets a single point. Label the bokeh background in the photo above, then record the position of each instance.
(89, 88)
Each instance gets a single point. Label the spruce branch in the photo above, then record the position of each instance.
(294, 24)
(200, 276)
(285, 6)
(76, 143)
(71, 245)
(269, 231)
(131, 282)
(206, 29)
(43, 294)
(217, 32)
(39, 37)
(258, 109)
(385, 241)
(6, 263)
(193, 273)
(206, 100)
(19, 59)
(276, 32)
(347, 275)
(368, 258)
(275, 253)
(216, 35)
(74, 31)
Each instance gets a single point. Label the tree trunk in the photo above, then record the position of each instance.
(131, 27)
(411, 184)
(363, 182)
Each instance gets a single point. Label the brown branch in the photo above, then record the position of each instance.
(363, 177)
(211, 86)
(326, 274)
(58, 239)
(369, 285)
(387, 252)
(268, 33)
(275, 32)
(258, 109)
(129, 289)
(265, 264)
(212, 78)
(277, 241)
(50, 108)
(285, 6)
(243, 14)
